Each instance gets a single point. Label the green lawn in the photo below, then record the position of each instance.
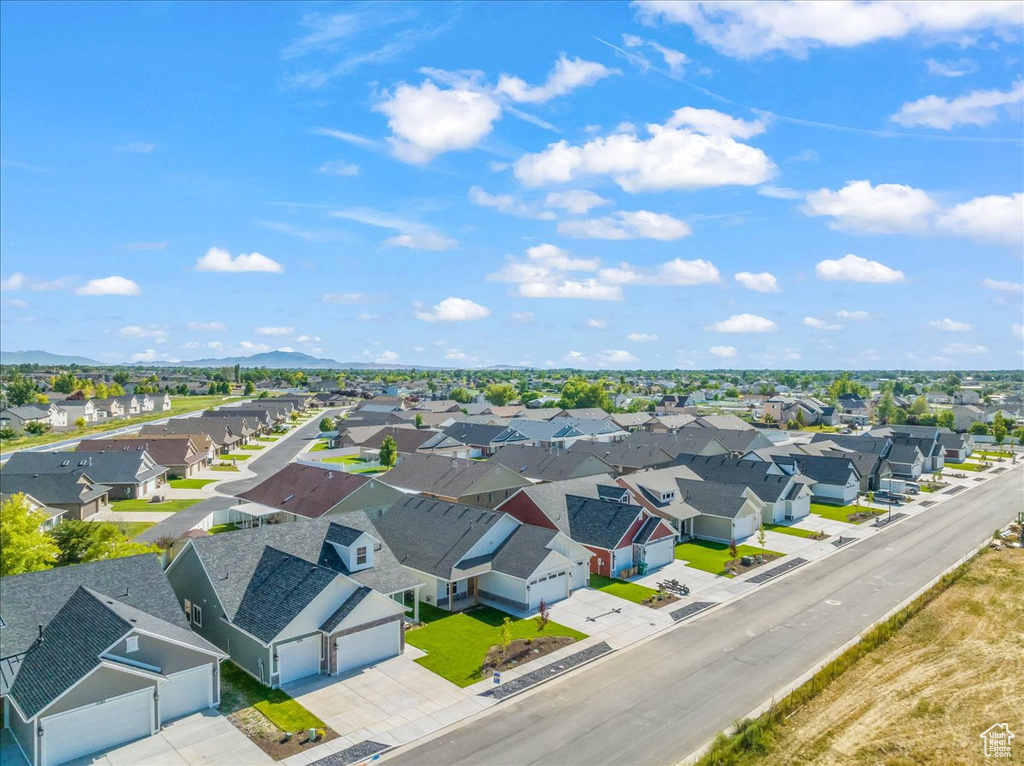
(240, 690)
(217, 529)
(370, 470)
(223, 468)
(189, 483)
(252, 447)
(627, 590)
(171, 506)
(456, 644)
(239, 456)
(711, 557)
(790, 530)
(130, 529)
(968, 466)
(990, 454)
(344, 459)
(833, 512)
(320, 446)
(267, 439)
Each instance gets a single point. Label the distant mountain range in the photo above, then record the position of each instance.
(274, 360)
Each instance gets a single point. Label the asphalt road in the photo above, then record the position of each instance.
(659, 702)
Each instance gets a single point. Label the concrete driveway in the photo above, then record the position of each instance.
(202, 738)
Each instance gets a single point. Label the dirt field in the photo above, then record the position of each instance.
(925, 696)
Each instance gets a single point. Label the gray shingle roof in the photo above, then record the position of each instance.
(345, 609)
(551, 497)
(523, 551)
(543, 464)
(432, 536)
(600, 523)
(54, 488)
(827, 470)
(713, 498)
(625, 454)
(756, 474)
(443, 476)
(118, 467)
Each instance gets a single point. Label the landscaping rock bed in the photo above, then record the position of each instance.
(857, 518)
(270, 739)
(522, 650)
(543, 674)
(362, 751)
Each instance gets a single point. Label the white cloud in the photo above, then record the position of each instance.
(779, 192)
(713, 123)
(339, 168)
(456, 355)
(275, 331)
(597, 324)
(386, 357)
(308, 339)
(254, 348)
(413, 235)
(508, 204)
(723, 352)
(454, 310)
(639, 224)
(957, 68)
(427, 121)
(574, 357)
(677, 273)
(881, 209)
(114, 285)
(972, 349)
(349, 138)
(148, 355)
(820, 324)
(206, 326)
(155, 332)
(642, 337)
(367, 317)
(853, 268)
(950, 325)
(220, 260)
(576, 201)
(347, 298)
(1018, 331)
(762, 282)
(994, 219)
(216, 345)
(560, 258)
(567, 75)
(289, 349)
(853, 316)
(584, 289)
(1003, 286)
(670, 158)
(749, 29)
(545, 274)
(979, 107)
(743, 323)
(615, 357)
(521, 317)
(18, 281)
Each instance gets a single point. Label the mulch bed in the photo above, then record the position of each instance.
(735, 566)
(665, 601)
(523, 650)
(857, 518)
(270, 739)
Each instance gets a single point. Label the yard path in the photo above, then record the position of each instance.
(127, 516)
(659, 702)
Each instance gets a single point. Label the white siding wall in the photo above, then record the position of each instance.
(494, 537)
(319, 609)
(503, 585)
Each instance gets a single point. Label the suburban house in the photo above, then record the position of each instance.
(811, 411)
(290, 601)
(957, 447)
(583, 413)
(127, 474)
(17, 418)
(79, 409)
(906, 460)
(870, 456)
(546, 464)
(631, 421)
(220, 433)
(721, 512)
(70, 488)
(178, 454)
(54, 516)
(836, 480)
(96, 655)
(626, 457)
(302, 491)
(597, 513)
(110, 407)
(471, 440)
(464, 555)
(925, 438)
(966, 415)
(471, 482)
(853, 407)
(245, 427)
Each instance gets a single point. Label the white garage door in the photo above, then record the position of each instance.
(299, 659)
(186, 692)
(551, 589)
(368, 646)
(659, 553)
(743, 527)
(97, 727)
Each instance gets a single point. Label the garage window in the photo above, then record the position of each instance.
(361, 555)
(197, 615)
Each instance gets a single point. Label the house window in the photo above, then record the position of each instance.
(361, 555)
(197, 615)
(131, 644)
(188, 609)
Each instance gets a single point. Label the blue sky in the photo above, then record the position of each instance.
(598, 185)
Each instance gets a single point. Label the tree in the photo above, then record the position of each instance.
(732, 548)
(800, 420)
(945, 419)
(898, 417)
(65, 383)
(6, 432)
(761, 537)
(999, 427)
(418, 420)
(543, 615)
(460, 395)
(20, 390)
(23, 546)
(920, 406)
(249, 388)
(979, 429)
(79, 542)
(505, 637)
(326, 424)
(885, 407)
(388, 451)
(121, 377)
(80, 423)
(578, 392)
(500, 394)
(37, 427)
(115, 389)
